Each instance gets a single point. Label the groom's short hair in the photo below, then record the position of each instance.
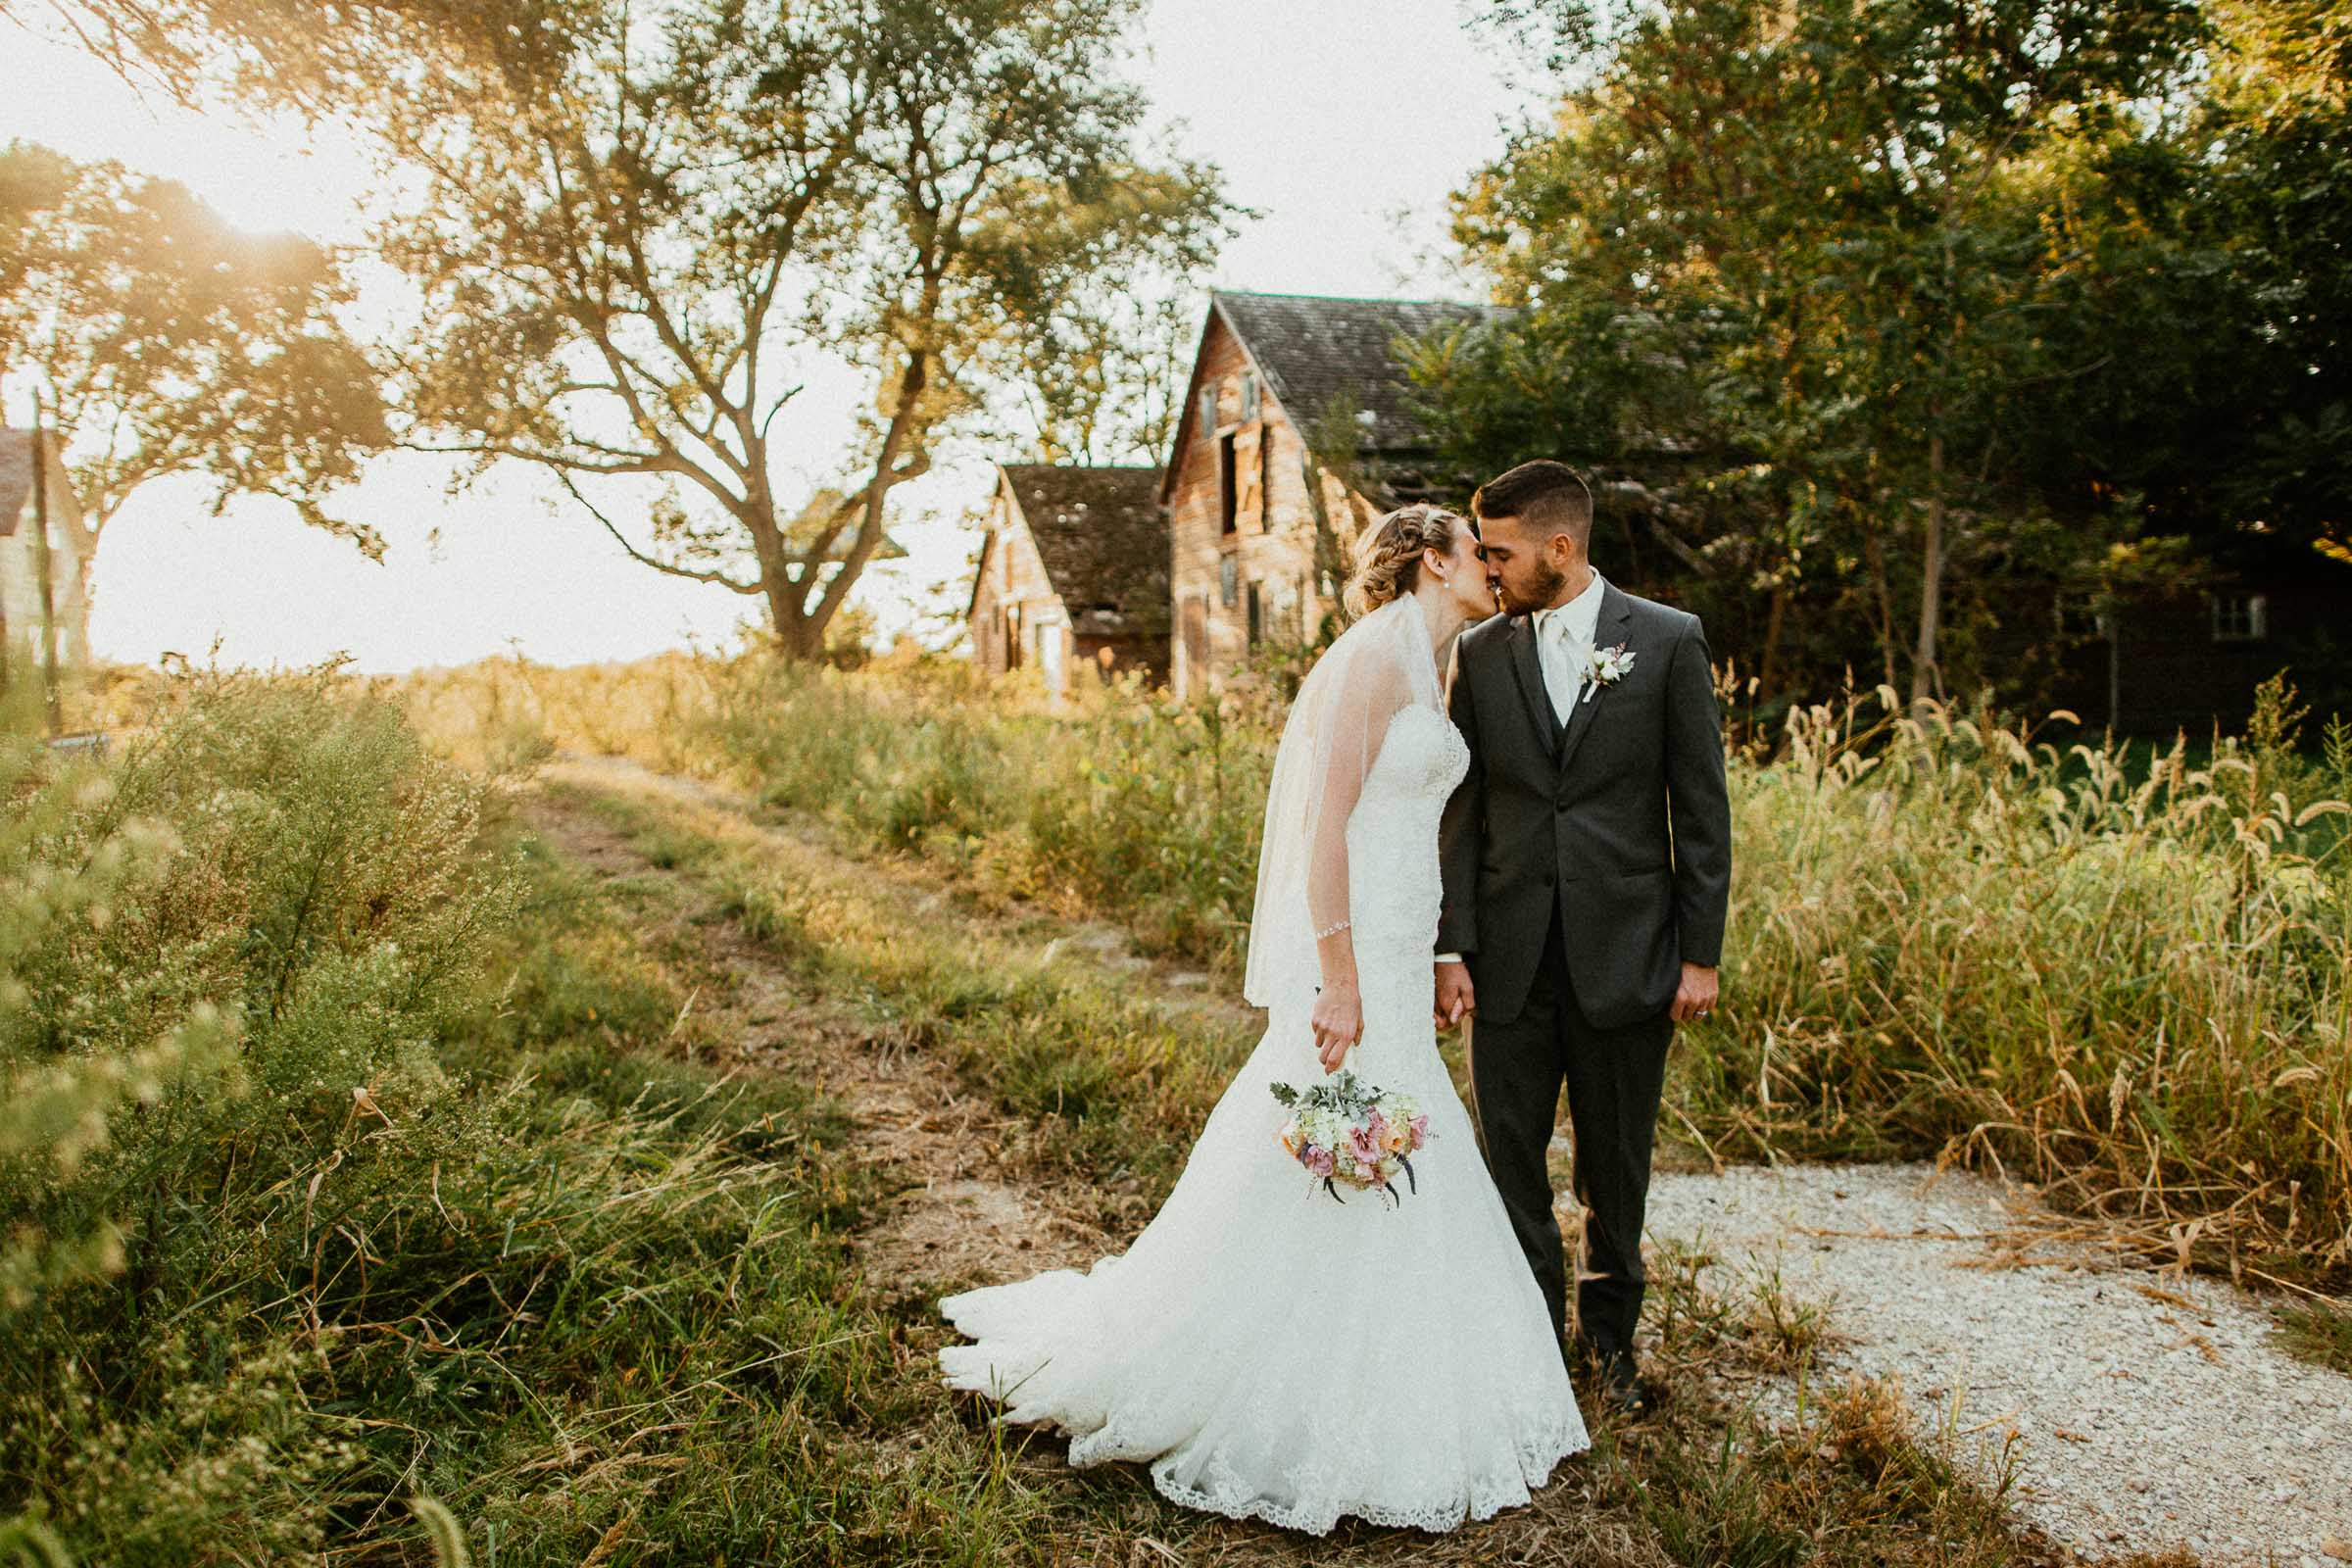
(1548, 497)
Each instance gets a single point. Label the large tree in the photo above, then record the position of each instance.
(627, 260)
(161, 340)
(294, 51)
(1790, 279)
(2267, 162)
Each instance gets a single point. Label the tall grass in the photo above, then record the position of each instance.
(1098, 1080)
(1951, 936)
(339, 1174)
(1122, 801)
(503, 714)
(2120, 977)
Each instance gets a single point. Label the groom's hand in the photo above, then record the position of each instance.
(1456, 997)
(1694, 998)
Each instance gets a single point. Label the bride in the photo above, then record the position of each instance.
(1270, 1353)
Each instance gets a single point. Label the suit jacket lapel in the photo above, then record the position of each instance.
(1608, 630)
(1531, 683)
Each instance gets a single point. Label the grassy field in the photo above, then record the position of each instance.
(367, 1162)
(375, 1176)
(1092, 1073)
(2118, 975)
(348, 1159)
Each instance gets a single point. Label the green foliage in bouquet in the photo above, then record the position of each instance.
(1346, 1132)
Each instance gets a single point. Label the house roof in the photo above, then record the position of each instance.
(1104, 540)
(1316, 351)
(1319, 352)
(16, 477)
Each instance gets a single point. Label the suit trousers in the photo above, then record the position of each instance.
(1614, 1079)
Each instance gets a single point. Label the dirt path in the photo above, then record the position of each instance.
(942, 1149)
(2150, 1414)
(952, 1215)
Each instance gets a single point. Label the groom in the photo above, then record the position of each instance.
(1587, 860)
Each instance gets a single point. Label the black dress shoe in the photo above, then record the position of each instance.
(1623, 1387)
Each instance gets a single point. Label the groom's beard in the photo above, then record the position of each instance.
(1544, 581)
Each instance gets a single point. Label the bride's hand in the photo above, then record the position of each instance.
(1339, 1022)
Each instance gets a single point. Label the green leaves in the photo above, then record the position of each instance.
(630, 269)
(1882, 322)
(162, 341)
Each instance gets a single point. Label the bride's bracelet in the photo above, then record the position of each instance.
(1333, 930)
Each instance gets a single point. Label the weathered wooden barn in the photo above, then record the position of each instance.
(1074, 568)
(1299, 424)
(41, 542)
(2188, 660)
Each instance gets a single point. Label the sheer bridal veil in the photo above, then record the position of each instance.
(1370, 673)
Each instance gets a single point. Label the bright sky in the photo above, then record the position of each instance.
(1344, 123)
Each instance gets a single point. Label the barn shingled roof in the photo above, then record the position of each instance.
(1104, 540)
(1318, 350)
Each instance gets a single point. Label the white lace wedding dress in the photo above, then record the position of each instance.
(1271, 1352)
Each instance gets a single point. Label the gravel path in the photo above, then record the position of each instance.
(2154, 1413)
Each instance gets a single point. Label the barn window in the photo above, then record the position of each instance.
(1228, 580)
(1229, 481)
(2240, 617)
(1209, 410)
(1257, 618)
(1249, 396)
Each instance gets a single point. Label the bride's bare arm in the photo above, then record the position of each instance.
(1344, 757)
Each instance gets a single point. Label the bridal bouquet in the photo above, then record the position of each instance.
(1346, 1132)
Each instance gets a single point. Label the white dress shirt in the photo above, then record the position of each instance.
(1564, 646)
(1564, 653)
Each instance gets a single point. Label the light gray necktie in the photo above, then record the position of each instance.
(1564, 658)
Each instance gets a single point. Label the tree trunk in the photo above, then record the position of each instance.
(803, 636)
(1875, 555)
(45, 565)
(1927, 678)
(1769, 670)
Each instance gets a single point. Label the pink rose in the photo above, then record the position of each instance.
(1318, 1161)
(1420, 1127)
(1363, 1145)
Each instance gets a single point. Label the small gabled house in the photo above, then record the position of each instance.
(1300, 425)
(1074, 568)
(41, 570)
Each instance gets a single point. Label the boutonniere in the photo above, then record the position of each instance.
(1607, 668)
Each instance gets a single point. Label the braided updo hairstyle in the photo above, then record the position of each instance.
(1388, 555)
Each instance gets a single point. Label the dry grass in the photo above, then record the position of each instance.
(1709, 1481)
(2120, 977)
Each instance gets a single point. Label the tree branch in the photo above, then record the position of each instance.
(671, 568)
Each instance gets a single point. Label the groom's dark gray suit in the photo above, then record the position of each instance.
(1584, 863)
